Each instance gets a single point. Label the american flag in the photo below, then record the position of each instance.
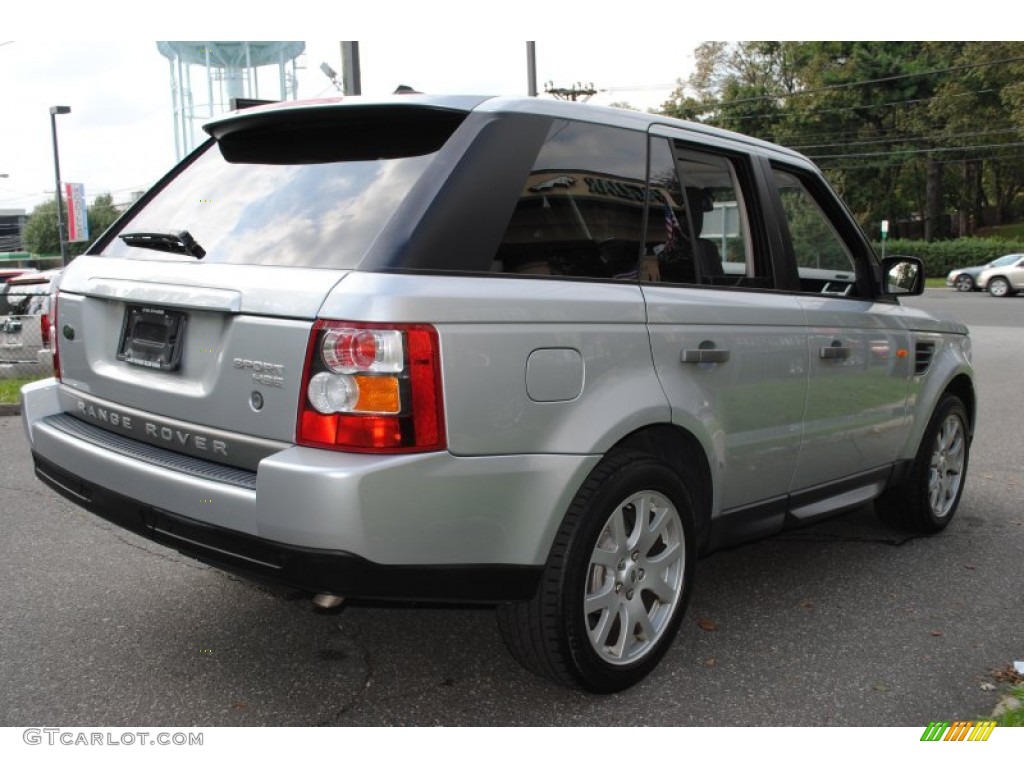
(673, 232)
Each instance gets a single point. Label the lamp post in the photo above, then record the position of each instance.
(54, 111)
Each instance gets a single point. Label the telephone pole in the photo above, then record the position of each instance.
(577, 92)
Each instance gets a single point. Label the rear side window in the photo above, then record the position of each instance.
(302, 193)
(581, 209)
(698, 230)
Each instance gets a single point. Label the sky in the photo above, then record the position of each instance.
(119, 136)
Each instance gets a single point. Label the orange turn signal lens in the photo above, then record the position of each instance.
(378, 394)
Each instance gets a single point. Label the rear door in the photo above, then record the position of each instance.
(730, 349)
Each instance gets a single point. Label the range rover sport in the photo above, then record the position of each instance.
(529, 353)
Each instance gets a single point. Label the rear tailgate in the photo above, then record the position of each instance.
(192, 314)
(186, 343)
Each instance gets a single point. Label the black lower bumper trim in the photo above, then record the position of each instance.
(313, 570)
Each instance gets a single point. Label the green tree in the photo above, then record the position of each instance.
(920, 133)
(40, 235)
(102, 214)
(739, 86)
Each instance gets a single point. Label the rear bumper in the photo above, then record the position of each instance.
(314, 570)
(423, 526)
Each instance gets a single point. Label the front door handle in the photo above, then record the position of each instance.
(705, 356)
(835, 351)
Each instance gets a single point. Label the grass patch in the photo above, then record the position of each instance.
(1014, 718)
(935, 282)
(1007, 231)
(10, 389)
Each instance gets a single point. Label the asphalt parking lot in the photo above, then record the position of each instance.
(843, 623)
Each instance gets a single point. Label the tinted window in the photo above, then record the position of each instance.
(824, 261)
(580, 212)
(313, 195)
(698, 230)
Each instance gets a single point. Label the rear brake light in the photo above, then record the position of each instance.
(51, 321)
(372, 388)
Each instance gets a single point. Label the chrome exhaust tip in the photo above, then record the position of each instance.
(325, 601)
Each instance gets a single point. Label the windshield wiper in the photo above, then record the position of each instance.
(171, 242)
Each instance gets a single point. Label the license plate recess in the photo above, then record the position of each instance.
(151, 337)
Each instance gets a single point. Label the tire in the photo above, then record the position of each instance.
(928, 498)
(964, 283)
(1000, 287)
(614, 589)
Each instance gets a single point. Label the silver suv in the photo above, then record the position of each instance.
(512, 351)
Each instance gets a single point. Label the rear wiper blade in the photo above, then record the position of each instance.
(172, 242)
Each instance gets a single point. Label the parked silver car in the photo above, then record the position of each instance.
(966, 278)
(1004, 279)
(513, 351)
(25, 321)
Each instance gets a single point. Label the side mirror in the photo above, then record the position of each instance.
(902, 276)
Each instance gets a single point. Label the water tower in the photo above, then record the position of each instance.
(232, 70)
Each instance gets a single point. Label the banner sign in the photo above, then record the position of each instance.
(78, 219)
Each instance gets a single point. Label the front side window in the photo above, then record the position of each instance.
(824, 261)
(580, 213)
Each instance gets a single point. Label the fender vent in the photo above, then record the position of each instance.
(923, 353)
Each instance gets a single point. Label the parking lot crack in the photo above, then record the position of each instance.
(360, 694)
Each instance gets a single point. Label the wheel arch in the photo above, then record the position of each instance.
(682, 452)
(963, 387)
(958, 381)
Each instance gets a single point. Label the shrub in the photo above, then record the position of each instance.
(941, 256)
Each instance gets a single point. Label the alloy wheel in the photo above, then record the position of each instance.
(634, 580)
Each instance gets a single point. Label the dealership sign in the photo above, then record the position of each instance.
(78, 220)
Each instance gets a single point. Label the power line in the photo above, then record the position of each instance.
(919, 151)
(853, 108)
(866, 165)
(890, 140)
(890, 78)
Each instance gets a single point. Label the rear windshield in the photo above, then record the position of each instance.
(312, 192)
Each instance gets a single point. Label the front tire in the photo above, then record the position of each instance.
(964, 283)
(616, 582)
(928, 498)
(1000, 287)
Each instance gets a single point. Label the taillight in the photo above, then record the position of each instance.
(372, 388)
(50, 336)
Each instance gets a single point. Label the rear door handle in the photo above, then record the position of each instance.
(705, 356)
